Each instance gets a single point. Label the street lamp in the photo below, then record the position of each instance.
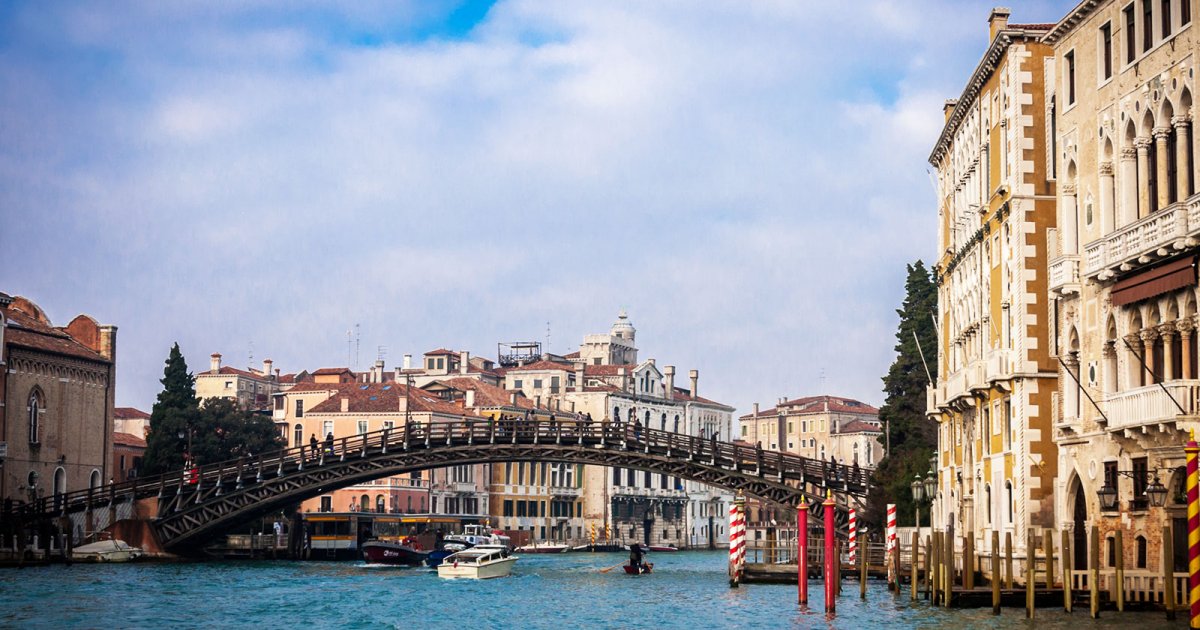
(1155, 491)
(187, 433)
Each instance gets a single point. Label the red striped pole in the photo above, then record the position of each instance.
(890, 547)
(830, 553)
(802, 550)
(1193, 520)
(853, 537)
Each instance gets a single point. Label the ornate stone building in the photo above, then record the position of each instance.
(56, 402)
(1123, 271)
(993, 399)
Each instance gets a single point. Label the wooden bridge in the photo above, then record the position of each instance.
(196, 504)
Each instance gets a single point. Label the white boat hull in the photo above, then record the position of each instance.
(494, 569)
(106, 551)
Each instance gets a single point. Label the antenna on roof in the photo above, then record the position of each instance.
(547, 337)
(380, 353)
(357, 345)
(822, 390)
(349, 346)
(251, 352)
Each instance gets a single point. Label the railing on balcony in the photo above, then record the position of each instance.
(1159, 230)
(1150, 404)
(959, 384)
(564, 491)
(998, 366)
(1064, 274)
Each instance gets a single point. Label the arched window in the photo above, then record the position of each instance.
(647, 418)
(364, 503)
(1008, 489)
(677, 423)
(664, 422)
(380, 504)
(855, 455)
(1141, 552)
(95, 481)
(36, 406)
(60, 485)
(298, 435)
(987, 490)
(1112, 551)
(616, 414)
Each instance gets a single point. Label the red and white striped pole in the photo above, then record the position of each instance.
(890, 546)
(802, 550)
(830, 556)
(737, 540)
(1193, 521)
(853, 545)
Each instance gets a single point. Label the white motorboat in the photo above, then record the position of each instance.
(543, 547)
(477, 563)
(106, 551)
(475, 535)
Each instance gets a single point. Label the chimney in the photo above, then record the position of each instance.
(624, 380)
(470, 400)
(755, 411)
(108, 342)
(578, 377)
(537, 401)
(214, 364)
(669, 374)
(408, 361)
(267, 371)
(377, 372)
(464, 360)
(512, 399)
(997, 21)
(947, 108)
(403, 406)
(399, 378)
(345, 404)
(694, 376)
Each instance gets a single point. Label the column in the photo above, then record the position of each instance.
(1185, 328)
(1167, 332)
(1143, 176)
(1183, 166)
(1110, 367)
(1129, 187)
(1107, 219)
(1069, 221)
(1136, 356)
(1161, 136)
(1148, 337)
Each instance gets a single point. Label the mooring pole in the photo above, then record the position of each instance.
(1193, 521)
(802, 550)
(830, 552)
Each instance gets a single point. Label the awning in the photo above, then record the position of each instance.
(1147, 284)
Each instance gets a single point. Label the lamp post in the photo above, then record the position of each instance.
(187, 433)
(918, 494)
(1155, 491)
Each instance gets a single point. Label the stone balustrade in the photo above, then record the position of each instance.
(1151, 405)
(1139, 243)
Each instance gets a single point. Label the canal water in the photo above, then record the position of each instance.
(688, 590)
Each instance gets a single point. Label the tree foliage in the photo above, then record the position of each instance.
(913, 436)
(218, 429)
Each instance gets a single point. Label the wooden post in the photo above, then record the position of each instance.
(916, 552)
(1168, 546)
(1068, 563)
(1030, 565)
(1008, 563)
(928, 553)
(1120, 580)
(948, 563)
(863, 550)
(837, 562)
(969, 561)
(1048, 541)
(935, 568)
(995, 572)
(1094, 570)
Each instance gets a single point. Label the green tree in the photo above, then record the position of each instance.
(175, 411)
(217, 430)
(912, 435)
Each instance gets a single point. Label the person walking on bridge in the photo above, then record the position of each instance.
(314, 446)
(329, 443)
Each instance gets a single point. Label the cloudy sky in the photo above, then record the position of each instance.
(747, 179)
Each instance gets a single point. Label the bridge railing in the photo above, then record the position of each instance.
(516, 429)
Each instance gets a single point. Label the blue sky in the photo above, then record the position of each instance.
(748, 180)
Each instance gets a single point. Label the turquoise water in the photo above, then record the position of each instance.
(688, 590)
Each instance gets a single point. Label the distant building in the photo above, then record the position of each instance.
(132, 421)
(56, 397)
(250, 388)
(128, 451)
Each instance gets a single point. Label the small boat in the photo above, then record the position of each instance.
(662, 548)
(544, 547)
(478, 563)
(399, 553)
(106, 551)
(647, 567)
(600, 548)
(479, 535)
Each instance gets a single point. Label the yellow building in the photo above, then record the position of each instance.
(997, 460)
(1123, 271)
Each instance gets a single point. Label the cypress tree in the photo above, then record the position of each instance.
(173, 414)
(913, 436)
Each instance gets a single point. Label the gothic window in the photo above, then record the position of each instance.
(298, 436)
(36, 407)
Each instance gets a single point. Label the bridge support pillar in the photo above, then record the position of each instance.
(802, 550)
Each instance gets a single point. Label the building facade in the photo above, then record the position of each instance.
(1123, 276)
(57, 388)
(993, 400)
(250, 388)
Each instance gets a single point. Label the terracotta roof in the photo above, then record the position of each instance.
(333, 370)
(608, 370)
(383, 398)
(572, 355)
(487, 395)
(128, 439)
(441, 351)
(1032, 27)
(687, 393)
(130, 413)
(28, 331)
(816, 404)
(226, 370)
(543, 366)
(287, 378)
(858, 426)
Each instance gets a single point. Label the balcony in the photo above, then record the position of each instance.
(1149, 406)
(962, 383)
(1064, 275)
(1171, 229)
(998, 366)
(564, 491)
